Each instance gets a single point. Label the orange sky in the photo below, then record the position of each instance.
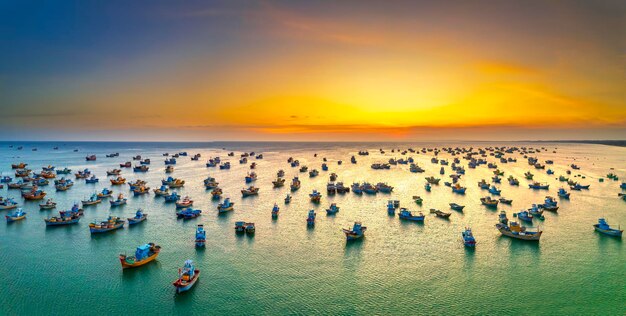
(345, 71)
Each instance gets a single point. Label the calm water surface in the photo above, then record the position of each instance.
(399, 268)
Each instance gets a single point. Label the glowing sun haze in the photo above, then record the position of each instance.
(311, 70)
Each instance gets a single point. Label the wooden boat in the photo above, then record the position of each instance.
(141, 190)
(295, 184)
(93, 200)
(59, 221)
(118, 181)
(489, 202)
(505, 201)
(112, 223)
(144, 254)
(64, 171)
(457, 207)
(439, 213)
(169, 169)
(105, 193)
(225, 206)
(333, 209)
(34, 194)
(127, 164)
(188, 213)
(433, 180)
(185, 202)
(250, 191)
(357, 231)
(418, 199)
(140, 216)
(48, 205)
(514, 230)
(187, 277)
(91, 158)
(162, 191)
(20, 165)
(279, 182)
(310, 220)
(119, 201)
(538, 186)
(200, 236)
(287, 199)
(457, 188)
(19, 214)
(7, 204)
(114, 172)
(141, 168)
(468, 237)
(407, 215)
(603, 227)
(275, 211)
(74, 211)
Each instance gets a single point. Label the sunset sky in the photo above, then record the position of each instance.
(312, 70)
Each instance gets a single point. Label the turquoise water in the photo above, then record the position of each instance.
(286, 268)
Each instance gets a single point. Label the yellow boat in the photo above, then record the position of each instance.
(144, 254)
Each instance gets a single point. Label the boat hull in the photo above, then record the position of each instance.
(608, 232)
(94, 230)
(126, 265)
(183, 286)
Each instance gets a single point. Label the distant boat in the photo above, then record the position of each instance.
(333, 209)
(225, 206)
(144, 254)
(200, 236)
(603, 227)
(407, 215)
(468, 238)
(514, 230)
(310, 220)
(19, 214)
(357, 231)
(110, 224)
(187, 277)
(140, 216)
(456, 207)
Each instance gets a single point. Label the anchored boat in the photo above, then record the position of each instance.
(144, 254)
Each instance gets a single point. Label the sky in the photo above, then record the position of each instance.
(312, 70)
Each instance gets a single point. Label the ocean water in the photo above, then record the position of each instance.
(399, 268)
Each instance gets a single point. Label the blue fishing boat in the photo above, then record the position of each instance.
(141, 168)
(240, 227)
(457, 207)
(524, 216)
(310, 220)
(48, 205)
(187, 277)
(468, 237)
(493, 190)
(93, 200)
(225, 166)
(110, 224)
(549, 204)
(19, 214)
(315, 196)
(251, 177)
(324, 167)
(550, 172)
(188, 213)
(145, 162)
(105, 193)
(457, 188)
(64, 171)
(121, 200)
(200, 236)
(59, 221)
(536, 211)
(288, 199)
(7, 204)
(225, 206)
(140, 216)
(513, 181)
(623, 186)
(562, 193)
(407, 215)
(489, 202)
(74, 211)
(538, 186)
(356, 188)
(6, 179)
(357, 231)
(603, 227)
(210, 183)
(502, 218)
(391, 208)
(496, 179)
(170, 161)
(162, 191)
(172, 197)
(144, 254)
(579, 187)
(333, 209)
(427, 187)
(275, 211)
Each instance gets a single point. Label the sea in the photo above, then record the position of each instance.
(287, 268)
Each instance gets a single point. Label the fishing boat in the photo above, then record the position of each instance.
(563, 179)
(121, 200)
(48, 205)
(279, 182)
(187, 277)
(169, 169)
(524, 216)
(141, 168)
(457, 188)
(538, 186)
(357, 231)
(173, 183)
(575, 167)
(304, 169)
(184, 203)
(468, 237)
(310, 219)
(141, 190)
(6, 179)
(383, 187)
(433, 180)
(603, 227)
(287, 199)
(19, 214)
(145, 162)
(240, 227)
(483, 184)
(118, 181)
(226, 206)
(144, 254)
(20, 165)
(91, 158)
(225, 165)
(110, 224)
(188, 213)
(407, 215)
(162, 191)
(369, 188)
(493, 190)
(333, 209)
(64, 171)
(127, 164)
(250, 228)
(513, 181)
(562, 193)
(623, 186)
(579, 187)
(514, 230)
(139, 217)
(489, 202)
(275, 211)
(324, 167)
(280, 173)
(427, 187)
(251, 190)
(216, 193)
(415, 168)
(200, 236)
(172, 197)
(502, 218)
(210, 183)
(251, 176)
(439, 213)
(22, 173)
(391, 208)
(505, 201)
(315, 196)
(457, 207)
(536, 211)
(550, 204)
(418, 199)
(34, 194)
(313, 173)
(59, 221)
(114, 172)
(356, 188)
(93, 200)
(528, 175)
(105, 193)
